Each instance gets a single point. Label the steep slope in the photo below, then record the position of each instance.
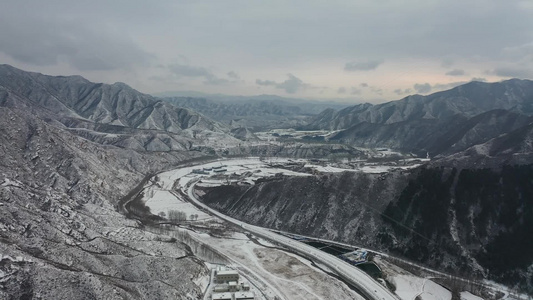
(60, 234)
(468, 100)
(435, 136)
(110, 114)
(512, 148)
(447, 218)
(116, 104)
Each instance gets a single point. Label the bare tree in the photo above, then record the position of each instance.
(177, 216)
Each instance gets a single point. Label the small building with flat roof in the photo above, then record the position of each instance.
(226, 276)
(232, 286)
(244, 296)
(223, 296)
(221, 288)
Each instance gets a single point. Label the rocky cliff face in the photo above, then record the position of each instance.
(60, 234)
(447, 218)
(338, 207)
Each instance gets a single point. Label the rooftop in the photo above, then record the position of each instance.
(222, 296)
(227, 272)
(244, 295)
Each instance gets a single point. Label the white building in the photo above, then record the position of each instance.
(232, 286)
(221, 288)
(244, 296)
(223, 296)
(226, 276)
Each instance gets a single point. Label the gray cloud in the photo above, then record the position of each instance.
(362, 65)
(341, 90)
(518, 72)
(198, 72)
(401, 92)
(522, 52)
(265, 82)
(291, 85)
(355, 91)
(364, 84)
(49, 42)
(455, 72)
(446, 62)
(189, 71)
(65, 35)
(376, 90)
(447, 86)
(480, 79)
(213, 80)
(422, 88)
(233, 75)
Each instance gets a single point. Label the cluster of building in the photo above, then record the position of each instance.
(207, 170)
(228, 286)
(220, 169)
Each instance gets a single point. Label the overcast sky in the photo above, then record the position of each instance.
(373, 50)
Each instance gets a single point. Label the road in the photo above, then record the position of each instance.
(367, 286)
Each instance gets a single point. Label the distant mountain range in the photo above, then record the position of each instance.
(441, 123)
(467, 100)
(259, 112)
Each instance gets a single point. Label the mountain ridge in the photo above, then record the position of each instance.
(116, 104)
(469, 100)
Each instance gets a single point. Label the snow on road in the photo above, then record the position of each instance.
(410, 287)
(284, 274)
(292, 276)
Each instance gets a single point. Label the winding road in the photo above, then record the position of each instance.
(368, 287)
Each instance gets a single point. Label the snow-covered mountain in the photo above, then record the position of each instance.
(466, 100)
(110, 114)
(441, 123)
(475, 223)
(256, 112)
(61, 236)
(436, 136)
(512, 148)
(115, 104)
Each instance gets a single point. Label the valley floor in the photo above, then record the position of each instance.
(273, 271)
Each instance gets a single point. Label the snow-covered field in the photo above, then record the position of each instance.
(159, 199)
(409, 287)
(163, 201)
(274, 272)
